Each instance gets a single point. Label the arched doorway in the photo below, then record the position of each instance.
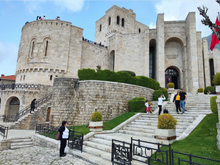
(172, 75)
(112, 60)
(13, 105)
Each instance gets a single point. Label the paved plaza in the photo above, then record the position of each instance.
(37, 156)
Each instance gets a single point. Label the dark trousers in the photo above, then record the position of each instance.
(32, 109)
(177, 103)
(62, 146)
(160, 108)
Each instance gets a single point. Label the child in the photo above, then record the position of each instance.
(147, 107)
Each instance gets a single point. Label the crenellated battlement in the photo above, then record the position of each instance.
(36, 69)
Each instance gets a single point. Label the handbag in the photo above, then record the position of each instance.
(58, 136)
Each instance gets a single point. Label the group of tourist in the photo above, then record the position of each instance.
(44, 18)
(100, 44)
(179, 100)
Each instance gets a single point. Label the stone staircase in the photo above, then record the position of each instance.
(97, 149)
(21, 143)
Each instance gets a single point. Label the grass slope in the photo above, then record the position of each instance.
(201, 142)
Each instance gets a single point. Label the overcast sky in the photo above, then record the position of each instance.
(14, 14)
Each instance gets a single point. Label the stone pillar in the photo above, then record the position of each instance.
(218, 124)
(206, 63)
(200, 60)
(64, 101)
(146, 53)
(193, 82)
(160, 51)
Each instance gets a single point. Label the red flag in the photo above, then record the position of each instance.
(215, 40)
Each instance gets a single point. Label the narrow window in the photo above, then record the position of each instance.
(139, 30)
(51, 77)
(122, 22)
(100, 28)
(109, 21)
(46, 48)
(32, 49)
(212, 71)
(20, 78)
(48, 114)
(118, 20)
(23, 77)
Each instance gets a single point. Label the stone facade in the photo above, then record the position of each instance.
(53, 48)
(76, 104)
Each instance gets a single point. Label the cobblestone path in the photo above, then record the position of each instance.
(37, 156)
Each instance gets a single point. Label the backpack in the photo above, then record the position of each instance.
(165, 111)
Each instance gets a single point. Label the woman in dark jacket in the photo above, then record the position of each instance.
(33, 105)
(64, 136)
(176, 100)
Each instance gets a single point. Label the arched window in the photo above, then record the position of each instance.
(109, 21)
(122, 22)
(51, 77)
(212, 71)
(32, 48)
(118, 20)
(46, 48)
(100, 27)
(139, 30)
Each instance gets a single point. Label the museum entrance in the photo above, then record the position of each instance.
(172, 75)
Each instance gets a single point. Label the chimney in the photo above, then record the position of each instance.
(2, 75)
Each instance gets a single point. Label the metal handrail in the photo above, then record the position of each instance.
(4, 131)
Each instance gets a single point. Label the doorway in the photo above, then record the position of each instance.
(172, 75)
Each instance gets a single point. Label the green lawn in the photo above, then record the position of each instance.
(106, 125)
(201, 142)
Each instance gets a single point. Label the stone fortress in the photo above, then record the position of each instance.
(52, 51)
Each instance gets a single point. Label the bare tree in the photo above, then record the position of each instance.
(207, 22)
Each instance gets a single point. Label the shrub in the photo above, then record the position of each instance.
(209, 88)
(200, 90)
(216, 79)
(137, 105)
(130, 72)
(160, 92)
(166, 121)
(122, 76)
(96, 116)
(170, 85)
(213, 104)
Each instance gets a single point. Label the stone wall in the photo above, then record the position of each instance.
(218, 124)
(76, 106)
(40, 140)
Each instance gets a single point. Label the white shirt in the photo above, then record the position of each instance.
(65, 134)
(160, 100)
(44, 18)
(146, 104)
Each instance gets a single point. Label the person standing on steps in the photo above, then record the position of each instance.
(176, 101)
(33, 103)
(147, 107)
(64, 136)
(183, 97)
(160, 102)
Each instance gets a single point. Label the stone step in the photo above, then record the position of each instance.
(22, 146)
(178, 126)
(150, 135)
(91, 158)
(101, 141)
(97, 153)
(97, 145)
(139, 130)
(21, 140)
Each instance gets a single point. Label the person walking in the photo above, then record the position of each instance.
(64, 136)
(33, 103)
(147, 107)
(160, 102)
(176, 101)
(183, 97)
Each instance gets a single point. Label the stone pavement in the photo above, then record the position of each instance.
(37, 156)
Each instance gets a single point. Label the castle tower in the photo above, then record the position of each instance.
(47, 50)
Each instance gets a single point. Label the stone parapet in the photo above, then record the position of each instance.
(40, 140)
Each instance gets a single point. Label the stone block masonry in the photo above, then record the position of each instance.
(77, 104)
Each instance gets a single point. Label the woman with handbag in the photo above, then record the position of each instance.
(63, 137)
